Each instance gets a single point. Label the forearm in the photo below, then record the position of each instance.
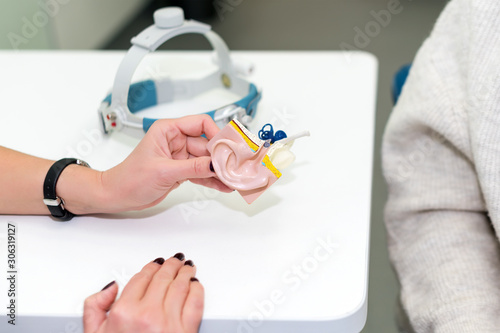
(21, 184)
(21, 181)
(170, 153)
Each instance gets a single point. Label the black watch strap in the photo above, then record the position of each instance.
(53, 202)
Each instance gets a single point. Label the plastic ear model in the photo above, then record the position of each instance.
(246, 163)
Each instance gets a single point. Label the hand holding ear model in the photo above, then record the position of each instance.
(172, 151)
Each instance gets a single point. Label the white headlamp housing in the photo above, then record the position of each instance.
(118, 110)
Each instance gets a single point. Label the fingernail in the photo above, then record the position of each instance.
(211, 167)
(179, 256)
(108, 285)
(193, 279)
(189, 263)
(159, 261)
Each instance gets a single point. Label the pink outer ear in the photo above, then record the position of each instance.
(238, 166)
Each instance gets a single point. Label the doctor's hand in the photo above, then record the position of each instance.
(163, 297)
(171, 152)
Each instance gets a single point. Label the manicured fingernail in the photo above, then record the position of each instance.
(108, 285)
(193, 279)
(179, 256)
(159, 261)
(211, 167)
(189, 263)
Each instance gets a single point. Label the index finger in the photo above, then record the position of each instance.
(196, 125)
(138, 284)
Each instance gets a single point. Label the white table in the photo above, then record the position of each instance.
(296, 260)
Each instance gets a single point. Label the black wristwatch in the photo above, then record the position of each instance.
(53, 202)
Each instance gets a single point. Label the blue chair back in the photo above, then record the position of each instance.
(398, 82)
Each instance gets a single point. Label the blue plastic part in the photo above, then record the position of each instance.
(211, 114)
(266, 134)
(146, 123)
(250, 101)
(141, 95)
(107, 99)
(399, 81)
(279, 135)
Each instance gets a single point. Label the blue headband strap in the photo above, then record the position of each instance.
(143, 95)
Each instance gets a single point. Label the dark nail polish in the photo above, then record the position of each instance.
(108, 285)
(179, 256)
(193, 279)
(189, 263)
(159, 261)
(212, 167)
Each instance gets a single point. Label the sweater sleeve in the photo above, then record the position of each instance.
(440, 237)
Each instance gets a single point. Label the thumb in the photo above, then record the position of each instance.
(96, 307)
(198, 167)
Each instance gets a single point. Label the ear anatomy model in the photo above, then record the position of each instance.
(246, 163)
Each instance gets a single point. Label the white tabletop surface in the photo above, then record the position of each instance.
(296, 260)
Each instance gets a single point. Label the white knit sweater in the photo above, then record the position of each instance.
(441, 158)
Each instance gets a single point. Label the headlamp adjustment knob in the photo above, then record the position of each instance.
(170, 17)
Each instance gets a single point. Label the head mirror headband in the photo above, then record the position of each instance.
(118, 110)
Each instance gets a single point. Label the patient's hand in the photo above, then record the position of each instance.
(163, 297)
